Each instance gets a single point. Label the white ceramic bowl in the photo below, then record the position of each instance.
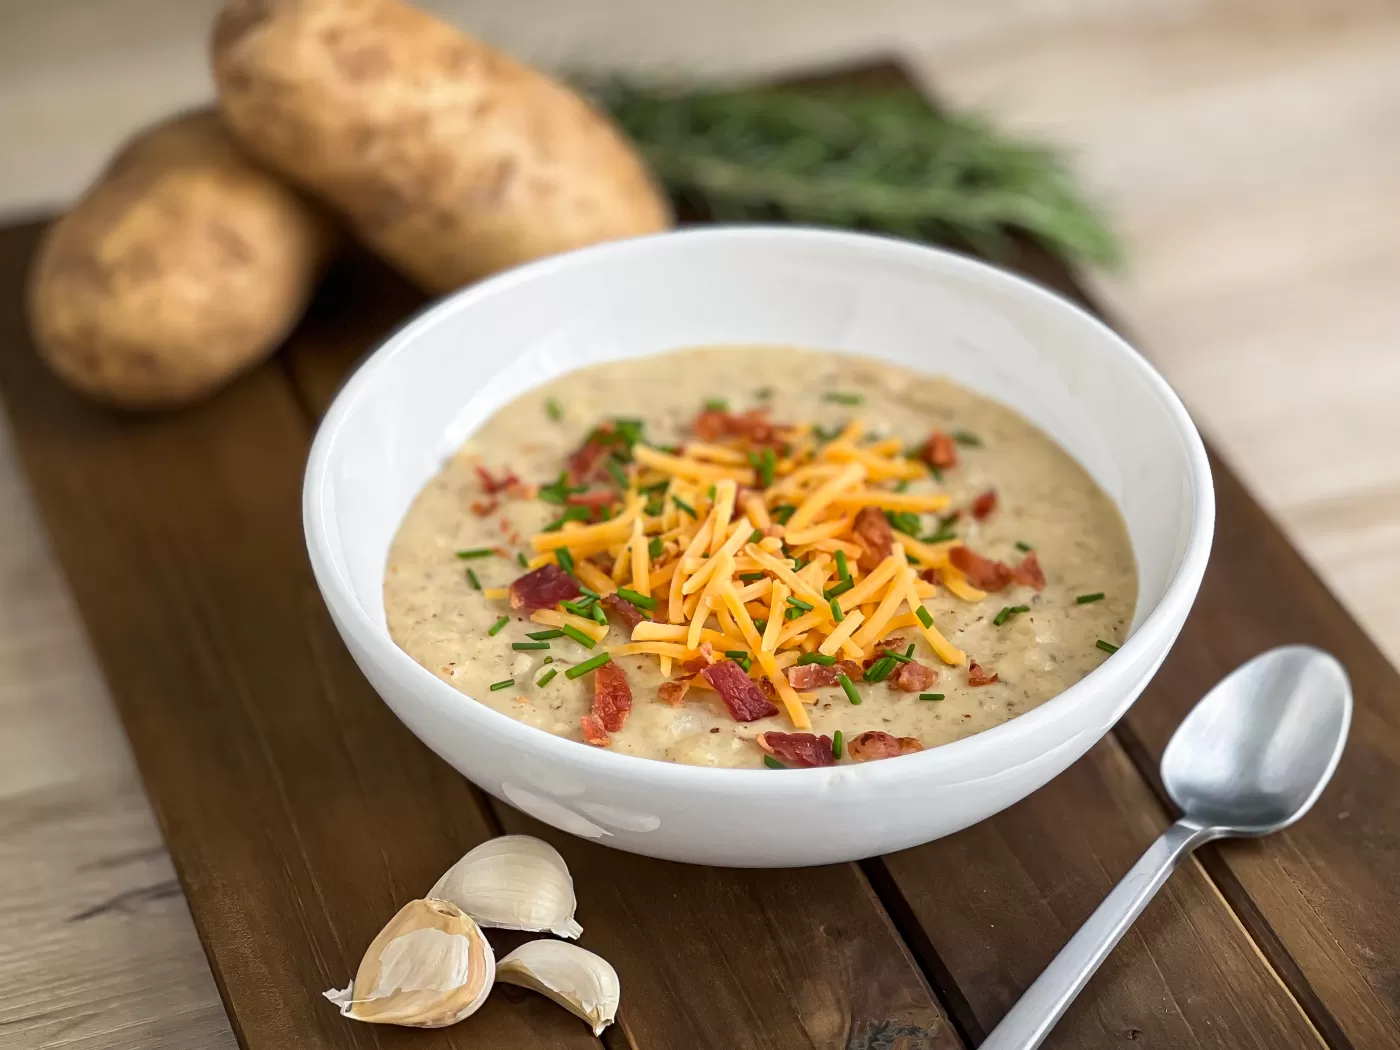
(438, 378)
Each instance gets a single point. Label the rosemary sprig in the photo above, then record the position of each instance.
(873, 158)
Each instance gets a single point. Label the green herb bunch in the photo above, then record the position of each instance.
(871, 158)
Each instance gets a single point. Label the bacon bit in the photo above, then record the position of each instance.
(768, 689)
(711, 424)
(544, 588)
(517, 489)
(598, 499)
(811, 676)
(940, 451)
(978, 675)
(984, 505)
(491, 485)
(878, 744)
(583, 463)
(612, 696)
(872, 531)
(714, 424)
(803, 750)
(744, 699)
(483, 507)
(895, 644)
(628, 613)
(673, 692)
(983, 573)
(913, 677)
(1029, 573)
(593, 731)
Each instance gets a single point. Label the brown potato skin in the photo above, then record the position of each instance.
(185, 263)
(450, 159)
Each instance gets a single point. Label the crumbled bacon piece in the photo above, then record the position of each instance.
(811, 676)
(979, 675)
(984, 505)
(1029, 573)
(625, 611)
(895, 644)
(803, 750)
(598, 499)
(490, 485)
(940, 451)
(543, 588)
(713, 424)
(612, 696)
(482, 507)
(876, 743)
(744, 699)
(913, 677)
(872, 531)
(584, 461)
(983, 573)
(673, 692)
(593, 731)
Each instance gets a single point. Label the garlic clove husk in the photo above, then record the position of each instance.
(582, 983)
(514, 882)
(429, 967)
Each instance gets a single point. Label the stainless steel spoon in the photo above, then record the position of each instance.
(1250, 759)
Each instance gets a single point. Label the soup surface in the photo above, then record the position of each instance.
(896, 488)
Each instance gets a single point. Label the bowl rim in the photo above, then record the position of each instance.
(426, 688)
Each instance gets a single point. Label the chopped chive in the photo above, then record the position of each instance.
(524, 561)
(848, 687)
(496, 627)
(925, 617)
(496, 687)
(596, 611)
(578, 636)
(909, 652)
(655, 547)
(816, 658)
(880, 669)
(710, 493)
(525, 647)
(1107, 647)
(716, 404)
(836, 613)
(582, 607)
(683, 505)
(656, 486)
(936, 472)
(798, 603)
(837, 744)
(797, 564)
(1085, 599)
(902, 658)
(1008, 611)
(474, 581)
(476, 552)
(547, 660)
(782, 513)
(966, 437)
(614, 469)
(902, 485)
(544, 636)
(930, 696)
(570, 514)
(554, 410)
(639, 600)
(591, 664)
(764, 463)
(547, 677)
(740, 657)
(760, 624)
(792, 614)
(840, 589)
(1022, 545)
(838, 398)
(945, 530)
(565, 559)
(904, 520)
(756, 535)
(772, 763)
(588, 592)
(843, 571)
(750, 577)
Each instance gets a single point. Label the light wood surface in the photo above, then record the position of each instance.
(1247, 148)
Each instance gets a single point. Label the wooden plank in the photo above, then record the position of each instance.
(299, 812)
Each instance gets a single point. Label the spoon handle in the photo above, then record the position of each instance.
(1030, 1020)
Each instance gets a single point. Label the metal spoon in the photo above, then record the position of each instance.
(1250, 759)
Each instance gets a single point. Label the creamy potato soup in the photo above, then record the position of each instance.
(748, 556)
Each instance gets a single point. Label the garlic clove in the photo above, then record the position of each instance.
(429, 967)
(582, 983)
(514, 882)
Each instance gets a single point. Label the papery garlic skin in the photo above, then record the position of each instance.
(514, 882)
(429, 967)
(583, 983)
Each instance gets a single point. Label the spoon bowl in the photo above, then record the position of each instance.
(1254, 754)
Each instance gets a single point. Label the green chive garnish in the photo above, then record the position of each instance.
(683, 505)
(930, 696)
(904, 521)
(909, 652)
(641, 601)
(476, 552)
(710, 493)
(838, 590)
(474, 581)
(772, 763)
(496, 687)
(880, 669)
(544, 636)
(614, 470)
(596, 611)
(655, 547)
(525, 647)
(843, 571)
(848, 687)
(792, 614)
(740, 657)
(816, 658)
(925, 617)
(570, 514)
(565, 559)
(1107, 647)
(496, 627)
(578, 636)
(838, 398)
(524, 561)
(750, 577)
(1085, 599)
(836, 613)
(591, 664)
(837, 742)
(1022, 545)
(588, 592)
(902, 658)
(1008, 611)
(798, 603)
(716, 404)
(554, 410)
(966, 437)
(756, 535)
(547, 660)
(763, 464)
(763, 393)
(547, 677)
(902, 485)
(782, 513)
(760, 624)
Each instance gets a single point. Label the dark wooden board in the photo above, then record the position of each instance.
(300, 813)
